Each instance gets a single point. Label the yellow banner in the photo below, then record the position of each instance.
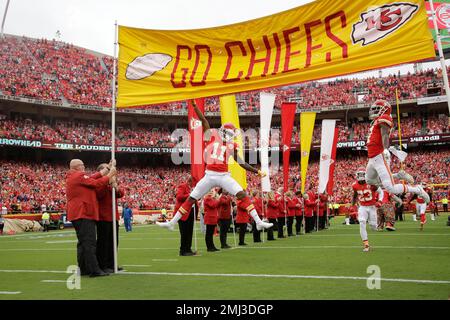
(322, 39)
(229, 113)
(307, 120)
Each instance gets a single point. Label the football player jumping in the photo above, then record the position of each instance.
(367, 211)
(219, 149)
(378, 167)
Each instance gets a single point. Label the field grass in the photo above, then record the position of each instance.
(323, 265)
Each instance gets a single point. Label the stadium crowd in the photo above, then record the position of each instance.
(29, 186)
(57, 71)
(99, 133)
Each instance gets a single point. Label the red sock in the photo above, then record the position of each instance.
(185, 207)
(246, 204)
(422, 219)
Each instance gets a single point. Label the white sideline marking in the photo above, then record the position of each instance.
(288, 276)
(33, 271)
(246, 275)
(51, 281)
(10, 292)
(137, 265)
(63, 241)
(159, 260)
(268, 247)
(343, 247)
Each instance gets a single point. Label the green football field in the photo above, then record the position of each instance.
(324, 265)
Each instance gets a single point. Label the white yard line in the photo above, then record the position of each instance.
(162, 260)
(63, 241)
(246, 275)
(344, 247)
(54, 281)
(10, 292)
(137, 265)
(287, 276)
(248, 247)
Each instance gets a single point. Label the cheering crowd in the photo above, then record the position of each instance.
(98, 133)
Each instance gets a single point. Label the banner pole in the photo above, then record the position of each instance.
(264, 213)
(113, 147)
(195, 231)
(441, 56)
(399, 125)
(4, 19)
(234, 227)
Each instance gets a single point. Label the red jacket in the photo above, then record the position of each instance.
(310, 205)
(272, 209)
(292, 206)
(225, 207)
(211, 207)
(81, 196)
(183, 192)
(242, 215)
(104, 197)
(258, 204)
(322, 204)
(281, 205)
(298, 209)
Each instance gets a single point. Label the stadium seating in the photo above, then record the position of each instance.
(98, 133)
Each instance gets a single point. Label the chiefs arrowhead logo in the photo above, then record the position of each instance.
(325, 157)
(379, 22)
(285, 148)
(304, 153)
(195, 124)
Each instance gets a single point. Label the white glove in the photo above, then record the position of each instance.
(387, 156)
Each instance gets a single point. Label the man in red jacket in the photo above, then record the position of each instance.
(323, 203)
(105, 247)
(186, 223)
(310, 205)
(224, 217)
(211, 207)
(83, 212)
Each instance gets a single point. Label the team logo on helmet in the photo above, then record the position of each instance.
(379, 22)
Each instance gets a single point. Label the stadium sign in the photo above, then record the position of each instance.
(20, 143)
(166, 150)
(430, 100)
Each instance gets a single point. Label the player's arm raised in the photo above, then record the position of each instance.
(201, 116)
(246, 166)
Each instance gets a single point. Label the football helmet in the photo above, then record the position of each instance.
(361, 174)
(378, 108)
(228, 132)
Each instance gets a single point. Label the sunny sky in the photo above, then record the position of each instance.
(90, 23)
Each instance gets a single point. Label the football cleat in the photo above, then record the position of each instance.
(166, 225)
(263, 225)
(402, 175)
(366, 249)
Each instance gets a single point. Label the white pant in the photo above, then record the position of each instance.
(421, 208)
(367, 213)
(378, 170)
(215, 179)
